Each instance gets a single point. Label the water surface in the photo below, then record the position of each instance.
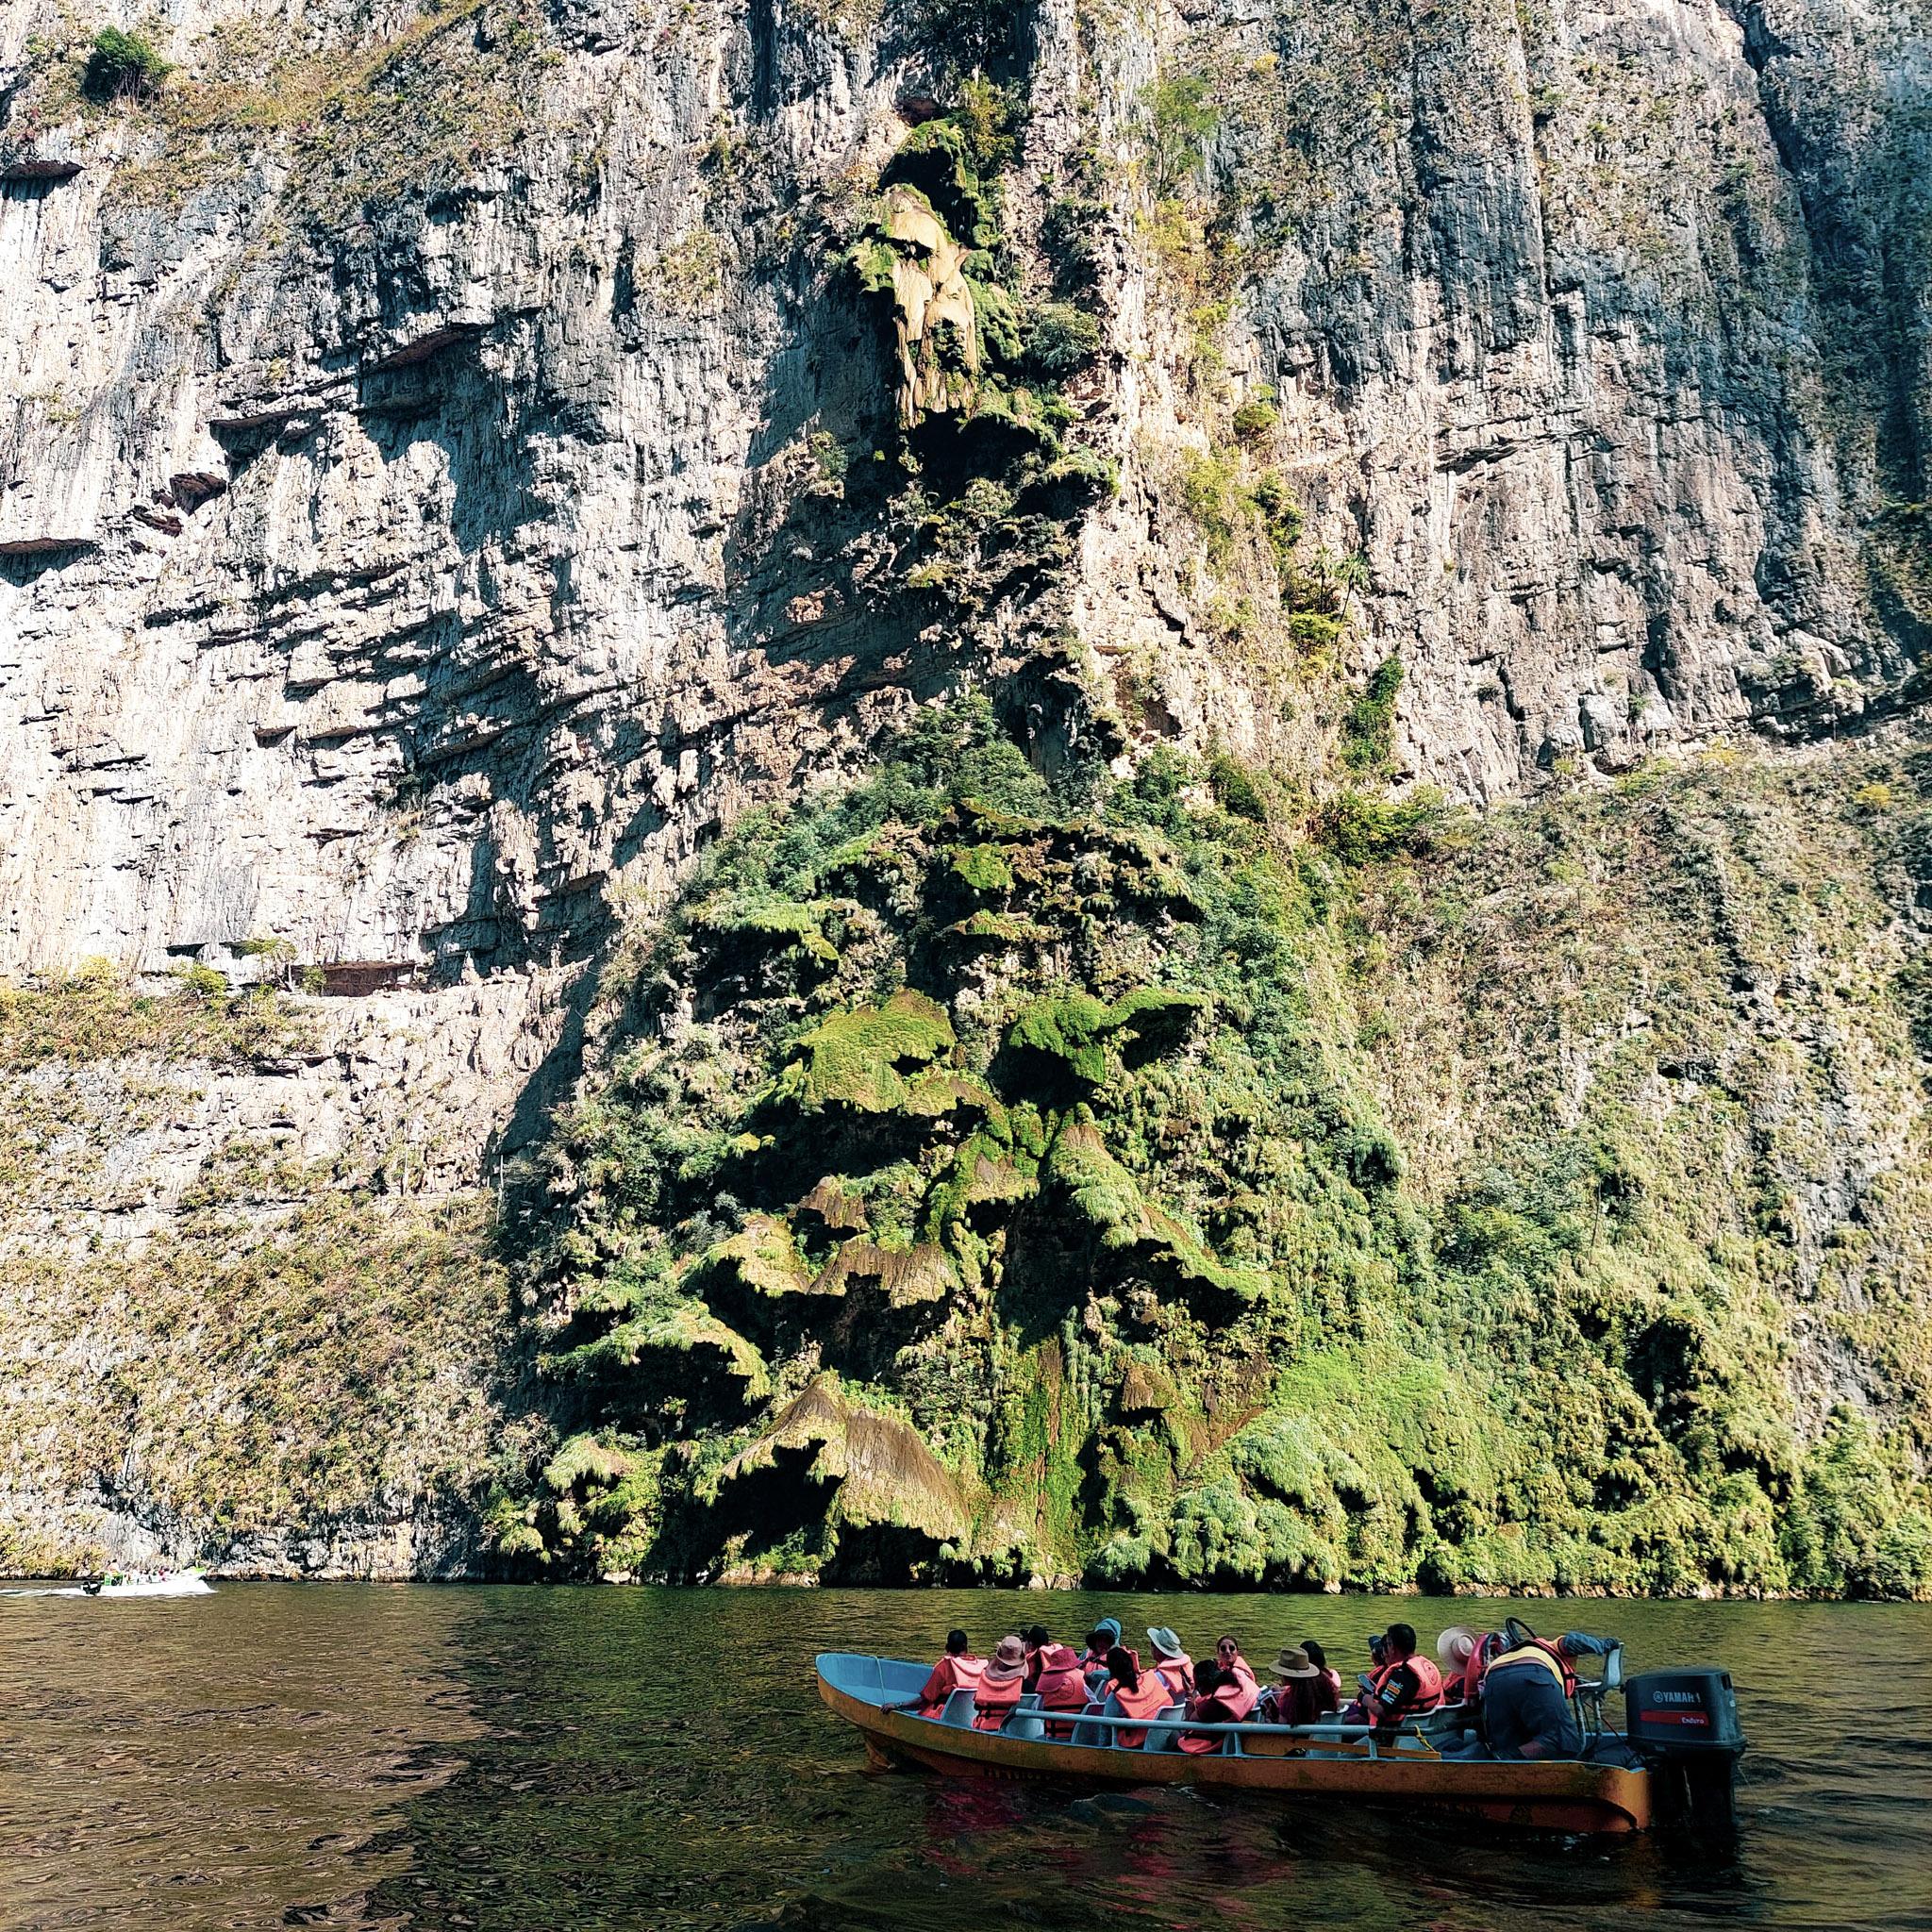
(532, 1760)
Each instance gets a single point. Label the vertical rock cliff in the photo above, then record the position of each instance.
(458, 462)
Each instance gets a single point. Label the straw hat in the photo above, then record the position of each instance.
(1008, 1661)
(1456, 1645)
(1164, 1641)
(1294, 1663)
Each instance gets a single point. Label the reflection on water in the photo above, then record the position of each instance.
(212, 1762)
(529, 1760)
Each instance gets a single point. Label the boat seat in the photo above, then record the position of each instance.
(1161, 1737)
(1589, 1696)
(959, 1708)
(1098, 1734)
(1025, 1720)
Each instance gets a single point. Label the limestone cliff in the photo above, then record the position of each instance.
(456, 460)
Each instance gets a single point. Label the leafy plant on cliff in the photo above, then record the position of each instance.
(123, 66)
(1367, 730)
(1181, 115)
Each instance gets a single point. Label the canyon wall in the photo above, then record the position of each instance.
(457, 462)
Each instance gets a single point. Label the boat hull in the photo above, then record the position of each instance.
(1573, 1799)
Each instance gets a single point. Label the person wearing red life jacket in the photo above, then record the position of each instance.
(1100, 1639)
(1036, 1641)
(958, 1668)
(1173, 1666)
(1403, 1684)
(1224, 1699)
(1228, 1654)
(1001, 1684)
(1460, 1653)
(1062, 1686)
(1138, 1695)
(1331, 1677)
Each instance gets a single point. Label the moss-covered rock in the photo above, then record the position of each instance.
(1230, 1210)
(870, 1060)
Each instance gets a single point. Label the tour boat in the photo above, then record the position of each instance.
(168, 1583)
(1324, 1761)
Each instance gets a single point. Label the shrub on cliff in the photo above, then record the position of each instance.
(1368, 731)
(123, 66)
(1069, 237)
(1181, 115)
(1058, 342)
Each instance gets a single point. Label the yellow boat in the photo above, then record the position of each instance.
(1326, 1762)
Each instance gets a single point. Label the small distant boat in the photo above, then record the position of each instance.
(143, 1582)
(1578, 1798)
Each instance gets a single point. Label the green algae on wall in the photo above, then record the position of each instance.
(1169, 1193)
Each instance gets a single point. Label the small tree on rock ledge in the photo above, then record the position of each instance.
(123, 67)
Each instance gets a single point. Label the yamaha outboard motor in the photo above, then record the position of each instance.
(1684, 1725)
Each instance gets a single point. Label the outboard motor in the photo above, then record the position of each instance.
(1684, 1725)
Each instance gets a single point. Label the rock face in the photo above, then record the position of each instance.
(395, 556)
(454, 463)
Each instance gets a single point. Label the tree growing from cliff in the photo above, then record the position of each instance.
(1181, 117)
(123, 66)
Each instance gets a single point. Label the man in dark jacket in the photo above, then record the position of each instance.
(1526, 1712)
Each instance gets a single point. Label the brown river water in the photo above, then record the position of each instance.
(544, 1761)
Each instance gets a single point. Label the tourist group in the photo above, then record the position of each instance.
(1514, 1691)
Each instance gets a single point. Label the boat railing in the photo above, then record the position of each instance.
(1590, 1694)
(1165, 1725)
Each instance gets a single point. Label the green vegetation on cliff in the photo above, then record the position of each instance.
(982, 361)
(996, 1183)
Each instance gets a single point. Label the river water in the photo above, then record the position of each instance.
(556, 1760)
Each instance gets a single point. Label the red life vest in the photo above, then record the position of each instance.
(993, 1703)
(1466, 1686)
(1229, 1706)
(1457, 1682)
(1063, 1685)
(1178, 1674)
(1148, 1698)
(1486, 1648)
(1243, 1693)
(1428, 1680)
(948, 1674)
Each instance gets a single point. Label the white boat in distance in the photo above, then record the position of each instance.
(166, 1582)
